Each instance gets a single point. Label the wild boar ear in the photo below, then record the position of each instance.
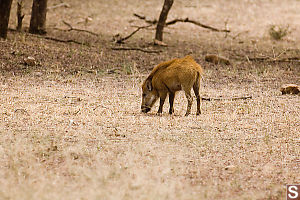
(149, 84)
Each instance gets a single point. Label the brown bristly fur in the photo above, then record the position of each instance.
(169, 77)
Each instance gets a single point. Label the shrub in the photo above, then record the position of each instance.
(277, 32)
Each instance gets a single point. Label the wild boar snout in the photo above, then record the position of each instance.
(145, 109)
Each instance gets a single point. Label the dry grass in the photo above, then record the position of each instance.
(79, 138)
(72, 130)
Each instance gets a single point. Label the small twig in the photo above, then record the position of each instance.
(21, 111)
(196, 23)
(282, 53)
(273, 51)
(225, 28)
(75, 113)
(135, 49)
(77, 29)
(144, 18)
(59, 5)
(221, 99)
(102, 107)
(238, 34)
(121, 40)
(257, 58)
(139, 16)
(69, 25)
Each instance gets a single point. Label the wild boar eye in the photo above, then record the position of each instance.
(144, 95)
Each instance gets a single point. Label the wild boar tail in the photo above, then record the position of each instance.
(200, 71)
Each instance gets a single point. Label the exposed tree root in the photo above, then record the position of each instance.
(135, 49)
(77, 29)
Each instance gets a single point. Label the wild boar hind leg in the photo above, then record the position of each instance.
(196, 88)
(190, 101)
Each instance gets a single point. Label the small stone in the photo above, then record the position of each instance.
(30, 61)
(231, 168)
(290, 89)
(38, 74)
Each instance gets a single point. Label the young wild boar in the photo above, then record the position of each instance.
(170, 77)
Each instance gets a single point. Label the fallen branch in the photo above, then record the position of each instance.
(56, 39)
(196, 23)
(59, 5)
(152, 22)
(221, 99)
(135, 49)
(288, 59)
(268, 59)
(120, 40)
(77, 29)
(64, 41)
(257, 58)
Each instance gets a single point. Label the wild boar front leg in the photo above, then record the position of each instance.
(162, 96)
(171, 101)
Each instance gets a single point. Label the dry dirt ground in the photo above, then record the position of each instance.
(71, 126)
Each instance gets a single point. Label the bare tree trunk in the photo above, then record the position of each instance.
(162, 19)
(20, 14)
(38, 17)
(5, 6)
